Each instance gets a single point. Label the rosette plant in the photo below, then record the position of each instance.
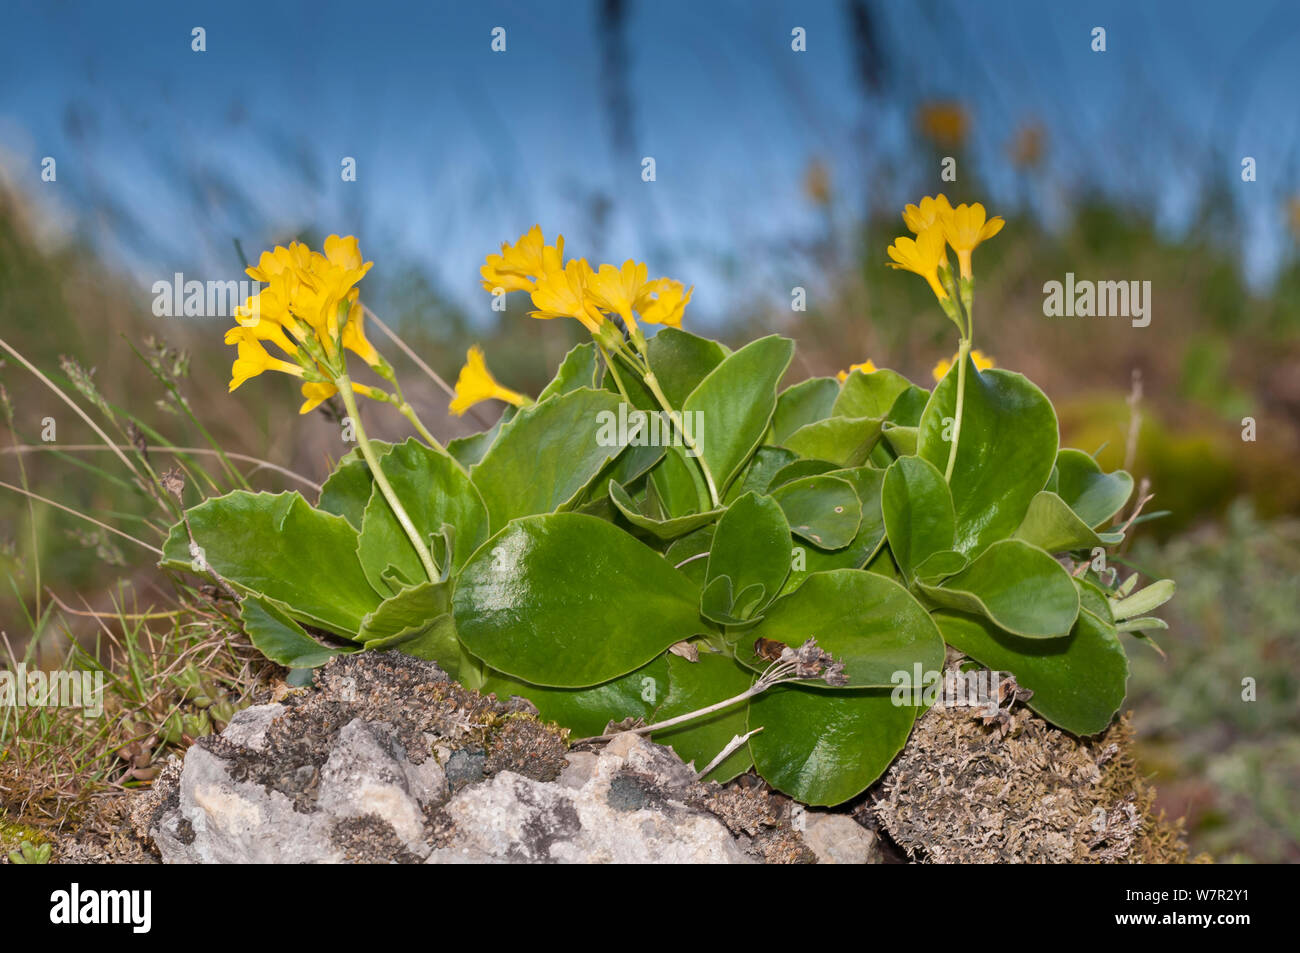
(667, 539)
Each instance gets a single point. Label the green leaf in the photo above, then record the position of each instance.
(1051, 525)
(870, 623)
(801, 404)
(680, 360)
(902, 440)
(678, 485)
(751, 555)
(434, 491)
(844, 441)
(824, 510)
(568, 601)
(347, 490)
(918, 512)
(281, 639)
(586, 711)
(1144, 600)
(1017, 586)
(581, 368)
(866, 482)
(736, 401)
(696, 685)
(662, 529)
(1078, 681)
(798, 469)
(278, 546)
(761, 472)
(689, 554)
(1095, 496)
(823, 748)
(418, 622)
(546, 455)
(938, 566)
(908, 408)
(470, 450)
(870, 395)
(1005, 452)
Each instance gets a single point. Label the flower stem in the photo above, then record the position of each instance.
(399, 511)
(963, 350)
(653, 383)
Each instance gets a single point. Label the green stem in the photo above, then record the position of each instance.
(344, 384)
(963, 349)
(653, 383)
(618, 381)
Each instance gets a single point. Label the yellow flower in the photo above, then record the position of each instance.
(964, 228)
(617, 289)
(520, 265)
(476, 384)
(921, 256)
(663, 301)
(253, 358)
(982, 363)
(866, 367)
(354, 332)
(562, 292)
(317, 392)
(920, 217)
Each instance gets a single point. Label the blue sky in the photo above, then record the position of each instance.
(166, 155)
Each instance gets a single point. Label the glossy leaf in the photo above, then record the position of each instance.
(761, 473)
(569, 601)
(1078, 681)
(281, 639)
(581, 368)
(434, 491)
(823, 748)
(1006, 450)
(1051, 525)
(870, 623)
(824, 510)
(870, 395)
(1017, 586)
(278, 546)
(844, 441)
(545, 456)
(680, 360)
(918, 512)
(751, 552)
(696, 685)
(663, 529)
(736, 401)
(586, 711)
(1095, 496)
(803, 403)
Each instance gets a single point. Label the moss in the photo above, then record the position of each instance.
(1022, 792)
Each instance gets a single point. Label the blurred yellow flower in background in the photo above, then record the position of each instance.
(981, 361)
(866, 367)
(921, 256)
(1028, 146)
(944, 123)
(476, 384)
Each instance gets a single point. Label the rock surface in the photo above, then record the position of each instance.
(386, 760)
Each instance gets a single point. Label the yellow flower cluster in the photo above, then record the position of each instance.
(574, 289)
(938, 226)
(310, 310)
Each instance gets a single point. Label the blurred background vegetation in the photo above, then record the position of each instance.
(1167, 401)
